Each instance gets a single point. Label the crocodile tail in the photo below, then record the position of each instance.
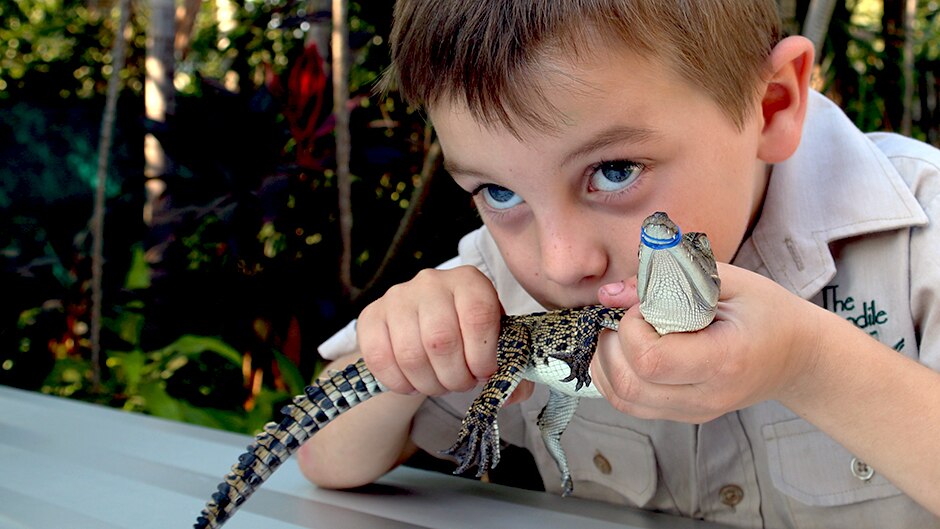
(321, 402)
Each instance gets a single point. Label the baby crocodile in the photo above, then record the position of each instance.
(678, 288)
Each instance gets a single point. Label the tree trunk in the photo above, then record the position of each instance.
(340, 54)
(158, 97)
(817, 23)
(907, 115)
(844, 79)
(319, 32)
(432, 161)
(185, 26)
(889, 82)
(118, 58)
(788, 15)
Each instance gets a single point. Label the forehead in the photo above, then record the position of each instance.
(564, 90)
(520, 93)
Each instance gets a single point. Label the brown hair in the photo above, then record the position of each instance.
(491, 54)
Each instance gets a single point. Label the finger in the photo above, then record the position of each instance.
(633, 396)
(523, 391)
(441, 339)
(376, 348)
(619, 294)
(676, 358)
(736, 281)
(479, 313)
(410, 354)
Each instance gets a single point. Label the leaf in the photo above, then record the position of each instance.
(289, 373)
(215, 418)
(192, 346)
(130, 366)
(159, 403)
(263, 412)
(127, 324)
(138, 275)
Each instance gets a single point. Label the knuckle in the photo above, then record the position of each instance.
(441, 341)
(648, 364)
(460, 385)
(482, 364)
(411, 356)
(631, 409)
(431, 389)
(627, 387)
(480, 315)
(427, 276)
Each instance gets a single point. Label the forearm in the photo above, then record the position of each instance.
(362, 444)
(879, 404)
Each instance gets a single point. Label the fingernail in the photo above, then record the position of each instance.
(613, 289)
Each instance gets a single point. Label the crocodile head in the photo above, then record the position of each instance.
(677, 280)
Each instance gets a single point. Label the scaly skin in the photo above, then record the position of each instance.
(678, 289)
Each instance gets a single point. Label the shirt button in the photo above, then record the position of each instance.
(731, 495)
(602, 464)
(861, 470)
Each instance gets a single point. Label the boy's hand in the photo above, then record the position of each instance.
(757, 348)
(434, 334)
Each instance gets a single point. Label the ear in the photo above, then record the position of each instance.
(785, 98)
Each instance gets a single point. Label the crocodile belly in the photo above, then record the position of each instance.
(551, 372)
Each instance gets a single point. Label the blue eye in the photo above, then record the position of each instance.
(614, 176)
(498, 197)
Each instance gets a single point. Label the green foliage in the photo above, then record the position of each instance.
(144, 381)
(863, 73)
(57, 49)
(62, 166)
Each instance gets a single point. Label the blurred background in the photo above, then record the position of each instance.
(195, 194)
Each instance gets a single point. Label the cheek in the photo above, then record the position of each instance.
(520, 252)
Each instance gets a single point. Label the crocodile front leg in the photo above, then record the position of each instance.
(590, 322)
(553, 421)
(478, 440)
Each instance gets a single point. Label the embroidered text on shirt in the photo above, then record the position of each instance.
(866, 317)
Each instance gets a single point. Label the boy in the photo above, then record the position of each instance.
(571, 121)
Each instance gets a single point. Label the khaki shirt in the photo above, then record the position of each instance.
(849, 222)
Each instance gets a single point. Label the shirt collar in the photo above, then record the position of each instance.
(837, 185)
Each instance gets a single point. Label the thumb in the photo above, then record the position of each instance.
(619, 294)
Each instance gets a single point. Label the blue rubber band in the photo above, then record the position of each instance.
(656, 243)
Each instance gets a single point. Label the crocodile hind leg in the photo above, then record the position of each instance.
(478, 440)
(553, 420)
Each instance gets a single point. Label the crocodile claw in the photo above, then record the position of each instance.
(477, 444)
(580, 365)
(567, 485)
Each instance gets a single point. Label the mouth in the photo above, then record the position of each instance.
(659, 232)
(660, 237)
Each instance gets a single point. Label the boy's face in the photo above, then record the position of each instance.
(565, 206)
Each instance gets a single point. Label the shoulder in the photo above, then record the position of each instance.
(917, 163)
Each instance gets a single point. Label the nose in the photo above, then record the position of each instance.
(572, 251)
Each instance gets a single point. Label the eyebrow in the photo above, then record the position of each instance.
(611, 136)
(456, 170)
(605, 138)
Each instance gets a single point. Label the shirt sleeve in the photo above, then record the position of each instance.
(477, 249)
(925, 276)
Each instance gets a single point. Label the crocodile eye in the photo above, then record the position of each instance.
(614, 176)
(498, 197)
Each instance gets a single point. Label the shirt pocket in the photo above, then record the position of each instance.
(610, 463)
(810, 467)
